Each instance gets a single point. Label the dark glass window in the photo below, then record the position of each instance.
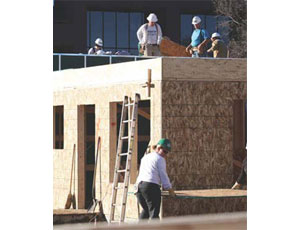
(122, 31)
(109, 30)
(116, 29)
(95, 27)
(211, 24)
(136, 20)
(186, 29)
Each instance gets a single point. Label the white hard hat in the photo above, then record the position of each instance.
(196, 20)
(215, 35)
(152, 18)
(99, 42)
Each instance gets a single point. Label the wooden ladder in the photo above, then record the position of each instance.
(129, 116)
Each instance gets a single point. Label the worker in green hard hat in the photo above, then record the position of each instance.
(152, 174)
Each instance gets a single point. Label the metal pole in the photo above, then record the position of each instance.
(59, 62)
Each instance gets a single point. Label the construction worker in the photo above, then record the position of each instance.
(218, 46)
(149, 36)
(242, 177)
(199, 39)
(153, 173)
(98, 48)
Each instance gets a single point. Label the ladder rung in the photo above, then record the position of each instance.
(118, 205)
(123, 138)
(114, 221)
(126, 121)
(129, 104)
(121, 170)
(121, 187)
(123, 154)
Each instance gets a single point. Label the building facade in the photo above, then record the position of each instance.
(201, 112)
(76, 24)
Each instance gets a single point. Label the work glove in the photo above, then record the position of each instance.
(236, 186)
(172, 193)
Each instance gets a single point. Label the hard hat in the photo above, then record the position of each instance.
(215, 35)
(152, 18)
(99, 42)
(165, 143)
(196, 20)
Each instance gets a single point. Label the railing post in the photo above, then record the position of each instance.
(110, 59)
(84, 61)
(59, 62)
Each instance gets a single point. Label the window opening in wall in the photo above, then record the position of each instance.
(58, 132)
(239, 135)
(89, 146)
(143, 129)
(142, 139)
(143, 132)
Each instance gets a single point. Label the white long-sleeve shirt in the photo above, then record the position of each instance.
(153, 169)
(149, 36)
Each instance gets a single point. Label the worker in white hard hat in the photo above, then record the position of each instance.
(218, 46)
(98, 48)
(199, 39)
(150, 36)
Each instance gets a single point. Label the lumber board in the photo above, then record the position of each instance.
(170, 48)
(209, 193)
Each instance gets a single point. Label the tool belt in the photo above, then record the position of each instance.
(195, 49)
(143, 47)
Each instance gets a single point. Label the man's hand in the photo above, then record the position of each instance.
(236, 186)
(200, 48)
(171, 192)
(188, 48)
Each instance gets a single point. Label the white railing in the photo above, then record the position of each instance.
(69, 61)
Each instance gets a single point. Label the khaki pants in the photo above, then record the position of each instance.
(151, 50)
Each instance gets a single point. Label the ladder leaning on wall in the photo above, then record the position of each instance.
(128, 115)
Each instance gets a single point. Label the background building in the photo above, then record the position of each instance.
(76, 24)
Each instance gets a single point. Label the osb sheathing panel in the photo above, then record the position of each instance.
(198, 119)
(195, 206)
(201, 69)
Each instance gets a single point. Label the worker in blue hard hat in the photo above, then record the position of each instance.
(152, 174)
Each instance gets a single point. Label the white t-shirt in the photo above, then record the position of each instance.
(153, 169)
(98, 52)
(149, 36)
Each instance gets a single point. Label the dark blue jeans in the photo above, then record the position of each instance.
(149, 196)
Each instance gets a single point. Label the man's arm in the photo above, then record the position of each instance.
(140, 34)
(159, 35)
(202, 45)
(162, 171)
(213, 47)
(206, 40)
(187, 49)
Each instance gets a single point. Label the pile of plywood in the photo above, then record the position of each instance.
(170, 48)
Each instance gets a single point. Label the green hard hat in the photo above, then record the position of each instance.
(165, 143)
